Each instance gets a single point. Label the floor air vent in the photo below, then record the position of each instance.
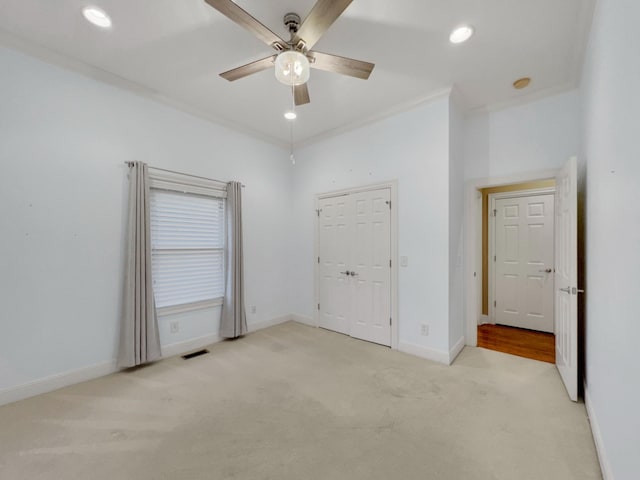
(195, 354)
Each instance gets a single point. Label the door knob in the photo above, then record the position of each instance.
(565, 290)
(352, 273)
(345, 273)
(546, 270)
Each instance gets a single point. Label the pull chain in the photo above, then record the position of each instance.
(293, 109)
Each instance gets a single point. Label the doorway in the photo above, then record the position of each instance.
(355, 274)
(518, 261)
(566, 287)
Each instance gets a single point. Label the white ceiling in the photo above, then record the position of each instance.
(174, 49)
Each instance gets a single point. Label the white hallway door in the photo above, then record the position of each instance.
(567, 277)
(524, 260)
(355, 265)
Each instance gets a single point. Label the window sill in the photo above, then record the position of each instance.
(189, 307)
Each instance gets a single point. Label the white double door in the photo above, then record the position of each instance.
(524, 262)
(354, 275)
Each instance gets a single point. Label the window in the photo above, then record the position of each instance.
(187, 244)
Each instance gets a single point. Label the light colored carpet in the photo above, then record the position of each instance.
(294, 402)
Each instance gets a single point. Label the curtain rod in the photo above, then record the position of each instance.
(129, 164)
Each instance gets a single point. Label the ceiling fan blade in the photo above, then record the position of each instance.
(343, 65)
(232, 11)
(321, 17)
(249, 69)
(301, 94)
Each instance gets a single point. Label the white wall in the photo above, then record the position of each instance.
(531, 137)
(63, 141)
(412, 148)
(612, 150)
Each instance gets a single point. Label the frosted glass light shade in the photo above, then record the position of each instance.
(292, 68)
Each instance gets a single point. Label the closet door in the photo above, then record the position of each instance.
(370, 267)
(355, 265)
(335, 234)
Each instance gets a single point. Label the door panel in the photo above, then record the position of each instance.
(371, 255)
(523, 251)
(334, 233)
(567, 277)
(511, 243)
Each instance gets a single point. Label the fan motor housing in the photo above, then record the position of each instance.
(292, 22)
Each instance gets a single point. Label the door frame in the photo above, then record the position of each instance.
(492, 238)
(473, 243)
(392, 185)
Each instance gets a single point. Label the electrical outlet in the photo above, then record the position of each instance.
(253, 309)
(424, 330)
(174, 327)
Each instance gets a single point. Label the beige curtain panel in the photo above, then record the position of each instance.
(139, 336)
(233, 322)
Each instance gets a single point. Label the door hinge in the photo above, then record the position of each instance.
(318, 306)
(494, 258)
(318, 210)
(495, 303)
(389, 321)
(389, 263)
(388, 202)
(318, 259)
(495, 212)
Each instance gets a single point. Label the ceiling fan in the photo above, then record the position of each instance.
(294, 57)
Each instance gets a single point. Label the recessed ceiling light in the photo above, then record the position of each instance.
(461, 34)
(97, 16)
(521, 83)
(290, 115)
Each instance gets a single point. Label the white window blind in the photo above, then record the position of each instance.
(187, 242)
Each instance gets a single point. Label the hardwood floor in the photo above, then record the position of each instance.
(518, 341)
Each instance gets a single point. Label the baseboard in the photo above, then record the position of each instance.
(456, 349)
(605, 466)
(55, 382)
(304, 320)
(484, 319)
(254, 327)
(423, 352)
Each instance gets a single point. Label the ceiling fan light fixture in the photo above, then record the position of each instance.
(97, 17)
(461, 34)
(292, 68)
